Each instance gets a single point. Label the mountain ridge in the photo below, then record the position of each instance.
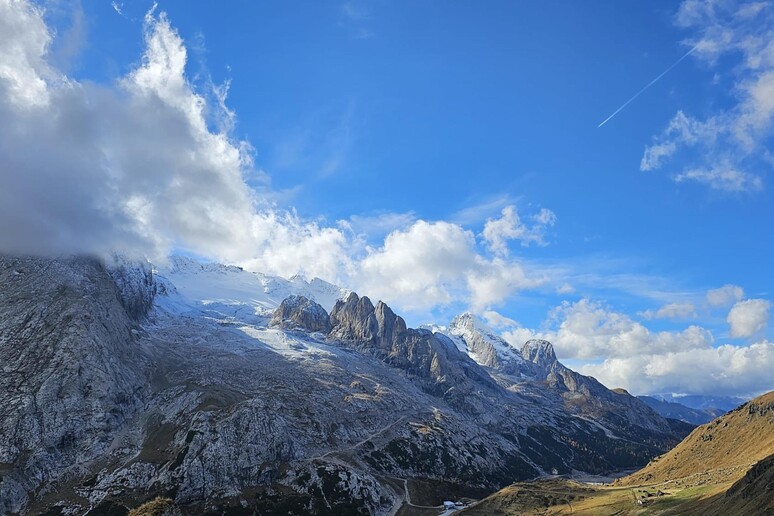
(223, 404)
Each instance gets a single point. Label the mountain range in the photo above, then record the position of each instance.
(226, 390)
(674, 410)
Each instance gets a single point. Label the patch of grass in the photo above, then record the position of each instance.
(155, 507)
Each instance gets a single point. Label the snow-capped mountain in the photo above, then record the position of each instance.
(228, 390)
(225, 289)
(535, 363)
(473, 337)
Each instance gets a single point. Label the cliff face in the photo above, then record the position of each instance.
(356, 321)
(73, 371)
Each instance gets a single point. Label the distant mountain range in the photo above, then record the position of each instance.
(724, 403)
(679, 411)
(229, 391)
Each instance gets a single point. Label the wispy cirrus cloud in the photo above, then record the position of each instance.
(355, 17)
(671, 311)
(726, 150)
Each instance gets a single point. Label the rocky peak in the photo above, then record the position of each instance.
(485, 346)
(478, 341)
(135, 282)
(539, 352)
(461, 323)
(353, 319)
(389, 325)
(298, 312)
(357, 320)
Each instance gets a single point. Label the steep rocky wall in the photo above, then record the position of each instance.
(71, 374)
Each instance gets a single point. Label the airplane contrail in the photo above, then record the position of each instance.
(651, 83)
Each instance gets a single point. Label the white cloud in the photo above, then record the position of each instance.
(149, 164)
(727, 369)
(722, 178)
(727, 150)
(24, 73)
(672, 311)
(498, 232)
(725, 295)
(681, 131)
(588, 330)
(380, 224)
(433, 263)
(131, 166)
(565, 288)
(746, 318)
(497, 320)
(492, 281)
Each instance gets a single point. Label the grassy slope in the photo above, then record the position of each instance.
(718, 452)
(708, 473)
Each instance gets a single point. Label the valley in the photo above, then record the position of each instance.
(723, 467)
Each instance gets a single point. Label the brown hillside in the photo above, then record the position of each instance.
(752, 494)
(718, 452)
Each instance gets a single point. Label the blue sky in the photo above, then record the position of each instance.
(373, 143)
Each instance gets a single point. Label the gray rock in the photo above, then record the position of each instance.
(298, 312)
(539, 352)
(104, 401)
(73, 371)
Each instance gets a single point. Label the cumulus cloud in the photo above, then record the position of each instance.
(672, 311)
(589, 330)
(437, 263)
(621, 352)
(498, 232)
(149, 164)
(746, 318)
(725, 295)
(143, 166)
(727, 369)
(130, 166)
(497, 320)
(727, 150)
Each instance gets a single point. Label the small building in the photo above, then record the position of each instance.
(449, 505)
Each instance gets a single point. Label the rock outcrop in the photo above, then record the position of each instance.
(298, 312)
(431, 358)
(72, 369)
(539, 352)
(479, 344)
